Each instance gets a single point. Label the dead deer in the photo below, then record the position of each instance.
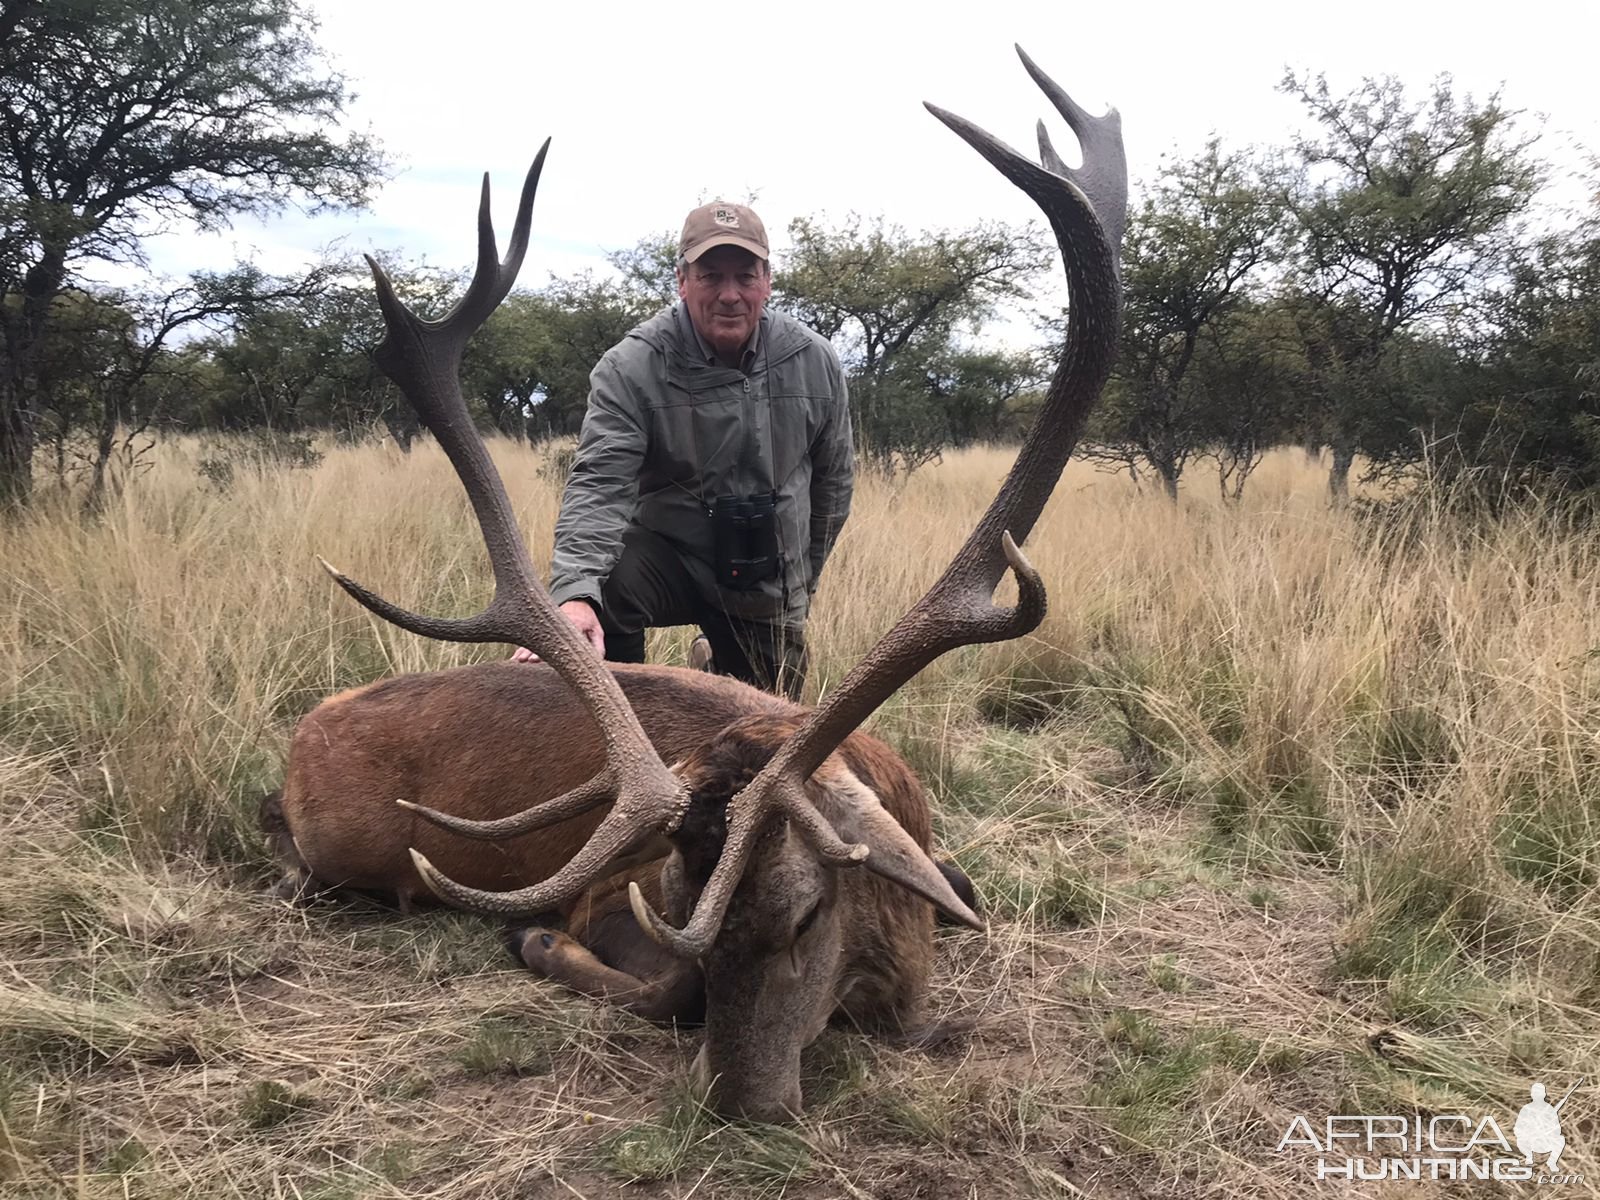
(788, 851)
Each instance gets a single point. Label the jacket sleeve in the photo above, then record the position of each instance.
(603, 489)
(833, 463)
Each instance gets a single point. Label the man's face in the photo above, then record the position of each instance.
(725, 290)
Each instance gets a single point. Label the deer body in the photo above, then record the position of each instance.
(481, 743)
(484, 742)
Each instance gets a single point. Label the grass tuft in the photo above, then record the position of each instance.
(502, 1047)
(272, 1102)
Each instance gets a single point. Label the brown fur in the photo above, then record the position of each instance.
(479, 742)
(489, 740)
(886, 933)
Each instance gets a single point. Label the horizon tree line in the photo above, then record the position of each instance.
(1376, 286)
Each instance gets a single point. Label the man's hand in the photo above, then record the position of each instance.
(583, 616)
(584, 619)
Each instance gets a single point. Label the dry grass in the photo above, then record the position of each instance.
(1282, 811)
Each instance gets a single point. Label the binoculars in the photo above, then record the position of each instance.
(746, 529)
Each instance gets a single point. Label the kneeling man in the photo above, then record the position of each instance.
(714, 469)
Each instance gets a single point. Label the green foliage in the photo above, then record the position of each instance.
(1529, 413)
(450, 944)
(126, 1158)
(1033, 689)
(1424, 922)
(1547, 835)
(1154, 1086)
(263, 451)
(1193, 346)
(504, 1047)
(272, 1102)
(1405, 209)
(1134, 1030)
(106, 376)
(688, 1139)
(1412, 746)
(895, 305)
(87, 344)
(1164, 973)
(1264, 898)
(300, 357)
(585, 316)
(1056, 895)
(1373, 296)
(508, 361)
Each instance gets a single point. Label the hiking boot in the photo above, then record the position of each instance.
(700, 655)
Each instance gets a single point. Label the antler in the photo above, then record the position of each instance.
(423, 358)
(1087, 208)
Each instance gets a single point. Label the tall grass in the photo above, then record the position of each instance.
(1404, 690)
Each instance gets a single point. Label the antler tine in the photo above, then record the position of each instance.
(493, 278)
(1086, 208)
(619, 834)
(423, 358)
(579, 800)
(1104, 174)
(748, 814)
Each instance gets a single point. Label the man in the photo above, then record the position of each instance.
(714, 469)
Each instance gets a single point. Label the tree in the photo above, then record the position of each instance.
(103, 371)
(1528, 414)
(583, 317)
(300, 355)
(122, 116)
(649, 270)
(506, 361)
(1251, 373)
(528, 367)
(894, 305)
(129, 404)
(80, 359)
(981, 393)
(1195, 249)
(1402, 211)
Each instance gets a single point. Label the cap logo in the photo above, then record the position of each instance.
(725, 216)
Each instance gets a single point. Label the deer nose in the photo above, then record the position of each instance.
(771, 1110)
(732, 1100)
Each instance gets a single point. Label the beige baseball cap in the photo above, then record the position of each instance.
(722, 224)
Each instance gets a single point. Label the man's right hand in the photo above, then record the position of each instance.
(584, 619)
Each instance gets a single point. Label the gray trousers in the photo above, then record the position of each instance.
(650, 587)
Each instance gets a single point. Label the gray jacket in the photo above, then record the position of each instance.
(666, 432)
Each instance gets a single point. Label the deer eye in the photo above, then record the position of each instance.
(807, 921)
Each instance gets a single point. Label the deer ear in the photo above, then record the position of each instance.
(861, 817)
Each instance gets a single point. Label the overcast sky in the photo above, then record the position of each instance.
(815, 107)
